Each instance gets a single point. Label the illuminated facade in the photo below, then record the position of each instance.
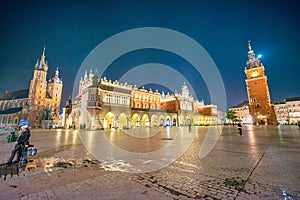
(42, 98)
(103, 104)
(288, 112)
(260, 107)
(242, 112)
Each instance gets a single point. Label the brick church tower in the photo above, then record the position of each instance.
(260, 107)
(44, 94)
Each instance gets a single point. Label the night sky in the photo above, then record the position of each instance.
(70, 30)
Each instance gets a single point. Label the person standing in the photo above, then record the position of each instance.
(22, 140)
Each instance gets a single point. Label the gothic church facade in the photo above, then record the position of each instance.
(37, 104)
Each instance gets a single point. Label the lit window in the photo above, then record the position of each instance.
(254, 74)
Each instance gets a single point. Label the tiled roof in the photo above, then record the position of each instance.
(292, 99)
(10, 110)
(244, 103)
(19, 94)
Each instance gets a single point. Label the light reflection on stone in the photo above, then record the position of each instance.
(252, 139)
(103, 149)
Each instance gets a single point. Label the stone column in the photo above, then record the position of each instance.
(95, 123)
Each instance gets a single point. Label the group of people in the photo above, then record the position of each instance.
(22, 140)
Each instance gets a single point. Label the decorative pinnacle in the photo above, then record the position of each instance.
(43, 55)
(249, 45)
(56, 72)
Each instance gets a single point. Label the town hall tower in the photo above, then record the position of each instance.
(260, 106)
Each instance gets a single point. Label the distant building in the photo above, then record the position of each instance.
(103, 103)
(260, 107)
(293, 106)
(38, 104)
(288, 112)
(221, 116)
(281, 112)
(242, 112)
(207, 115)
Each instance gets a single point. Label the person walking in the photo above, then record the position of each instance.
(240, 128)
(22, 140)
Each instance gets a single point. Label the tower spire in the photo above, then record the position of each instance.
(249, 45)
(252, 61)
(42, 63)
(56, 72)
(43, 55)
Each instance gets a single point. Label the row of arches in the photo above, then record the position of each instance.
(122, 120)
(125, 120)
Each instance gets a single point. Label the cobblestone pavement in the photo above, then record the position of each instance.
(264, 163)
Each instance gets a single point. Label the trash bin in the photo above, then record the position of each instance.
(11, 137)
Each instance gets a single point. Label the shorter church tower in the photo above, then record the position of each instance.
(261, 109)
(54, 91)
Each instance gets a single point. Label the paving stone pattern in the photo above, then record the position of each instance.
(262, 164)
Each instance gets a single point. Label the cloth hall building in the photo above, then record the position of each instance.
(102, 104)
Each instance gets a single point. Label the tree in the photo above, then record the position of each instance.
(231, 114)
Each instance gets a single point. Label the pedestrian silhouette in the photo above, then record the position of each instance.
(240, 128)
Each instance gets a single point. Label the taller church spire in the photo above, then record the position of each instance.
(42, 63)
(43, 55)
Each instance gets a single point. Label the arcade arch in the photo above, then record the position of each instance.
(135, 120)
(154, 121)
(174, 121)
(109, 120)
(161, 121)
(122, 119)
(145, 121)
